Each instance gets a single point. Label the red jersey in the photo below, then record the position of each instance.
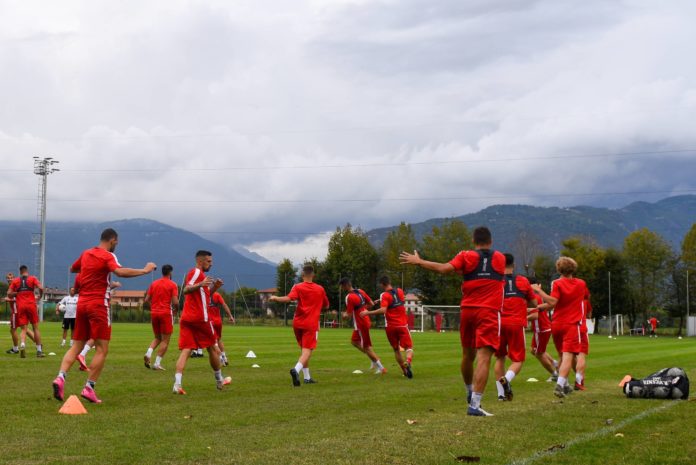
(586, 310)
(355, 304)
(94, 266)
(161, 292)
(196, 302)
(311, 299)
(24, 286)
(483, 282)
(395, 314)
(543, 323)
(653, 323)
(216, 302)
(517, 292)
(571, 294)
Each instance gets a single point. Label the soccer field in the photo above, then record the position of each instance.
(346, 418)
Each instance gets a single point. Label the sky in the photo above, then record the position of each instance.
(270, 123)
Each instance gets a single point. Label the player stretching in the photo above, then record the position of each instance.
(68, 305)
(13, 320)
(216, 302)
(483, 273)
(311, 300)
(541, 333)
(567, 296)
(356, 301)
(93, 319)
(396, 323)
(163, 295)
(195, 326)
(518, 296)
(23, 289)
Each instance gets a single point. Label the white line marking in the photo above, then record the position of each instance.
(594, 434)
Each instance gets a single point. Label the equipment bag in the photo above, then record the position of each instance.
(668, 383)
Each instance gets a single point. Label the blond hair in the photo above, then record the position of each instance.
(566, 266)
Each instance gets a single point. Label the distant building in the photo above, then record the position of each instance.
(54, 294)
(128, 299)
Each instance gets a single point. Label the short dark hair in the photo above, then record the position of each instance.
(23, 268)
(167, 270)
(482, 236)
(203, 253)
(509, 259)
(307, 269)
(109, 234)
(532, 280)
(385, 281)
(344, 281)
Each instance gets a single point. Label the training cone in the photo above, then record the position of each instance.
(251, 354)
(73, 406)
(625, 380)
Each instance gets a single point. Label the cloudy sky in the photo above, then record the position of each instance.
(261, 122)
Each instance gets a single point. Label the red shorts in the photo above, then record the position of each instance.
(584, 343)
(27, 315)
(217, 327)
(540, 341)
(512, 343)
(162, 323)
(399, 336)
(479, 327)
(566, 338)
(196, 334)
(306, 338)
(362, 337)
(92, 321)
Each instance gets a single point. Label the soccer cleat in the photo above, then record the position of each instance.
(381, 371)
(501, 398)
(40, 354)
(81, 361)
(310, 381)
(146, 360)
(567, 390)
(407, 370)
(559, 392)
(177, 389)
(22, 352)
(158, 367)
(295, 378)
(227, 380)
(219, 384)
(11, 351)
(89, 394)
(478, 412)
(579, 386)
(506, 387)
(58, 387)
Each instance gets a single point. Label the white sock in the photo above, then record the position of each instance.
(379, 365)
(578, 378)
(62, 374)
(469, 388)
(305, 372)
(218, 375)
(15, 348)
(148, 354)
(71, 342)
(510, 375)
(22, 346)
(85, 350)
(177, 378)
(555, 364)
(501, 391)
(476, 400)
(562, 381)
(63, 342)
(158, 360)
(39, 348)
(298, 367)
(372, 365)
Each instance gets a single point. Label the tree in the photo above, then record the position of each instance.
(544, 269)
(399, 240)
(525, 248)
(647, 255)
(688, 249)
(285, 276)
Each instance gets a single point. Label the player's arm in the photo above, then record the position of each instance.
(532, 314)
(228, 311)
(379, 311)
(190, 288)
(175, 300)
(75, 267)
(147, 299)
(41, 290)
(134, 272)
(280, 299)
(552, 301)
(12, 291)
(414, 259)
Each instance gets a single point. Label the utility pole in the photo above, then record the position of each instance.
(611, 325)
(42, 168)
(687, 301)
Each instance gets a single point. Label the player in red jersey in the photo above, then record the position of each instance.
(217, 302)
(357, 300)
(518, 297)
(93, 320)
(653, 322)
(541, 334)
(580, 360)
(396, 323)
(9, 277)
(23, 289)
(483, 272)
(311, 300)
(163, 296)
(567, 296)
(195, 327)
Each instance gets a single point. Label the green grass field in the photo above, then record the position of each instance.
(346, 418)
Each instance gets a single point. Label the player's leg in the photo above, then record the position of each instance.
(483, 365)
(164, 345)
(179, 370)
(499, 371)
(486, 326)
(406, 342)
(95, 369)
(467, 338)
(580, 364)
(216, 365)
(147, 358)
(65, 327)
(83, 353)
(65, 364)
(37, 337)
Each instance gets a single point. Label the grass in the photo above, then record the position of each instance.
(347, 418)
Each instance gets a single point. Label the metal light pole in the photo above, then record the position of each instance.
(687, 301)
(611, 325)
(42, 168)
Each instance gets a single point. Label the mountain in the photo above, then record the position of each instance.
(671, 217)
(244, 252)
(140, 241)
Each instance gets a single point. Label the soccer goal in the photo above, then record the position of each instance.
(440, 317)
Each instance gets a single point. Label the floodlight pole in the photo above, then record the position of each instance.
(687, 301)
(42, 168)
(611, 325)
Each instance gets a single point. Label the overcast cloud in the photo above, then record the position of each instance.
(239, 118)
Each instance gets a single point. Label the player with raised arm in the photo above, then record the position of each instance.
(163, 296)
(483, 272)
(541, 334)
(396, 323)
(216, 302)
(357, 300)
(93, 319)
(311, 300)
(24, 290)
(567, 296)
(195, 326)
(68, 305)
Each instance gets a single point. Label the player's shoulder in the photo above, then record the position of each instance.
(522, 281)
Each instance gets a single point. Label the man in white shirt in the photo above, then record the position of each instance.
(68, 305)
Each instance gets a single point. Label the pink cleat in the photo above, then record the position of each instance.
(58, 387)
(81, 361)
(89, 394)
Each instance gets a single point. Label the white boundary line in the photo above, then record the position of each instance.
(595, 434)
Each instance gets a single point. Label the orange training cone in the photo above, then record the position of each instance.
(73, 406)
(625, 380)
